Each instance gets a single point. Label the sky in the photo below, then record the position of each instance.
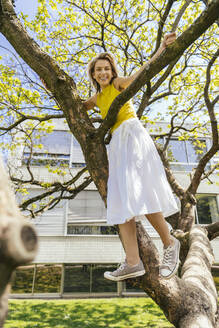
(28, 7)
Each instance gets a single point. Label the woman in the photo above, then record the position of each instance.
(137, 183)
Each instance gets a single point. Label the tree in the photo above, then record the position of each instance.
(186, 301)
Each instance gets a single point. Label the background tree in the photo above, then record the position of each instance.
(69, 34)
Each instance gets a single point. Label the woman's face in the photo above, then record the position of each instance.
(103, 73)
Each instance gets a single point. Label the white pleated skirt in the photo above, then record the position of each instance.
(137, 183)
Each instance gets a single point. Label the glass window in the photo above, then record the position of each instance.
(77, 278)
(51, 148)
(41, 159)
(177, 151)
(91, 230)
(56, 142)
(99, 283)
(88, 278)
(184, 154)
(48, 279)
(195, 150)
(23, 280)
(207, 209)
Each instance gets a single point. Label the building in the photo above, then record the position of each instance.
(75, 244)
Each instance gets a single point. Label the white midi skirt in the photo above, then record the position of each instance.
(137, 183)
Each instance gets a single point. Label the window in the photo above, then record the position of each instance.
(77, 278)
(88, 278)
(77, 157)
(99, 283)
(185, 154)
(49, 149)
(48, 278)
(23, 280)
(41, 159)
(91, 230)
(40, 278)
(207, 209)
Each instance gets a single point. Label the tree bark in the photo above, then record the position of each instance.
(189, 302)
(18, 240)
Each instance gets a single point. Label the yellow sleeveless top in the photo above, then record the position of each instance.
(105, 99)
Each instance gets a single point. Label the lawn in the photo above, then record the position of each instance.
(86, 313)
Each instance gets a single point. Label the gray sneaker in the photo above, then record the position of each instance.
(170, 261)
(125, 271)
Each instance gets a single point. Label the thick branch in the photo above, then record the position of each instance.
(202, 23)
(213, 230)
(197, 271)
(58, 82)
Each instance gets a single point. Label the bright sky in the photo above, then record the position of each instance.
(28, 8)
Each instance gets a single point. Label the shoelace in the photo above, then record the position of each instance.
(121, 267)
(167, 256)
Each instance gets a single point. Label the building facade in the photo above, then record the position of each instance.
(76, 245)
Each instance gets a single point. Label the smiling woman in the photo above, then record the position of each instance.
(137, 180)
(102, 70)
(103, 73)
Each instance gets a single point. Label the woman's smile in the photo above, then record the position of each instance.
(103, 73)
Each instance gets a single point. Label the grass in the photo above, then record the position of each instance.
(86, 313)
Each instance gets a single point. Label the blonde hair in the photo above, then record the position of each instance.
(91, 67)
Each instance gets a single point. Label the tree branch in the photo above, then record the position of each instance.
(215, 138)
(57, 81)
(213, 230)
(202, 23)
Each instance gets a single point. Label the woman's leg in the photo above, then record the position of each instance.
(171, 245)
(133, 267)
(159, 223)
(129, 239)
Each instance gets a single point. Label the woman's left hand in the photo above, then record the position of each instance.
(168, 39)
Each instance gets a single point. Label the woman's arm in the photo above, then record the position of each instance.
(124, 82)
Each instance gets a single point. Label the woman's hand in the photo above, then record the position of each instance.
(168, 39)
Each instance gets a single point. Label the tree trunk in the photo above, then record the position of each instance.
(18, 240)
